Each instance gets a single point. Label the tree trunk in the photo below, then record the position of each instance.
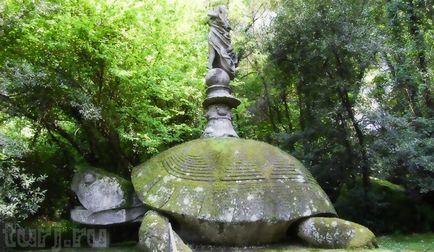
(284, 94)
(305, 116)
(346, 103)
(343, 93)
(340, 122)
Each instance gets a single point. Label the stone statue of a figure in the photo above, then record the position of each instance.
(221, 53)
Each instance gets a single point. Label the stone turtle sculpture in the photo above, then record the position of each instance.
(222, 190)
(229, 191)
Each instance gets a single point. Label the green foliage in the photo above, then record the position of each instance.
(385, 209)
(398, 105)
(311, 71)
(402, 150)
(20, 194)
(109, 83)
(114, 80)
(345, 86)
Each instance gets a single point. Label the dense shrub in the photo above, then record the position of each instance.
(385, 208)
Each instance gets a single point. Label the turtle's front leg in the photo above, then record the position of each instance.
(327, 232)
(156, 235)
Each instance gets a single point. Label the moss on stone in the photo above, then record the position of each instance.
(386, 184)
(230, 180)
(335, 233)
(123, 186)
(156, 234)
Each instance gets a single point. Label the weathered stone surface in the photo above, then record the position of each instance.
(219, 122)
(106, 199)
(219, 103)
(221, 53)
(220, 96)
(221, 64)
(218, 91)
(217, 77)
(335, 233)
(98, 190)
(236, 234)
(227, 185)
(107, 217)
(156, 234)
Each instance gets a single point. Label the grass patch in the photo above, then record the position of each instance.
(414, 242)
(407, 243)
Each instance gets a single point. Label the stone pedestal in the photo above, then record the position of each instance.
(219, 103)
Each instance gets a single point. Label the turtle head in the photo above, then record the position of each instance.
(99, 190)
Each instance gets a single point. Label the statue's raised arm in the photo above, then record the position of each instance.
(221, 53)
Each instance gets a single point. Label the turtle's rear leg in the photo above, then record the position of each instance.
(327, 232)
(156, 235)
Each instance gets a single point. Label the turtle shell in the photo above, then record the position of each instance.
(230, 180)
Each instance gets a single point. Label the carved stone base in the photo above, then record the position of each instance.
(219, 103)
(219, 128)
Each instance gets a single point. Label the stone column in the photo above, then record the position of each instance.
(222, 62)
(219, 103)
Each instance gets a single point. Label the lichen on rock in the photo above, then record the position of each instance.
(329, 232)
(99, 190)
(230, 180)
(156, 234)
(234, 185)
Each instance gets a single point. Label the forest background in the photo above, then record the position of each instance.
(345, 86)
